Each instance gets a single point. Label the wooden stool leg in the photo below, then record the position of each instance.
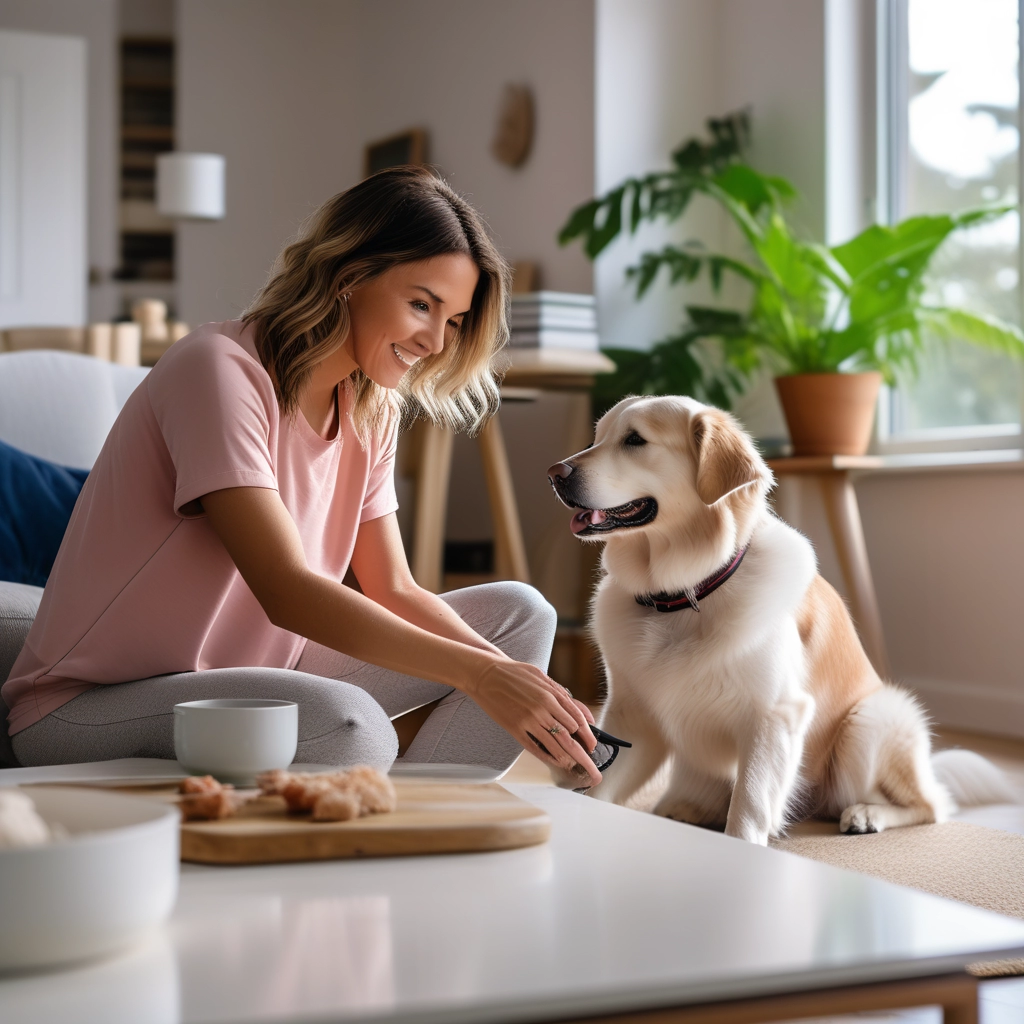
(963, 1011)
(435, 466)
(848, 535)
(509, 549)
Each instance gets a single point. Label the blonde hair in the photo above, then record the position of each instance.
(398, 215)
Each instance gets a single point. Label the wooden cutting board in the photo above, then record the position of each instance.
(431, 818)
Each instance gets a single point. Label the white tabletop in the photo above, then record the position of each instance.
(619, 911)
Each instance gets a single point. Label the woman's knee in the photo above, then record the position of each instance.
(343, 725)
(528, 607)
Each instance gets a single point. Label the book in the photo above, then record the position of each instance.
(550, 338)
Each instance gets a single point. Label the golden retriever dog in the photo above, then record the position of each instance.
(729, 660)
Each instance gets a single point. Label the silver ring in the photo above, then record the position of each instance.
(555, 730)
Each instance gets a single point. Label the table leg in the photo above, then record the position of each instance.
(433, 474)
(509, 548)
(848, 535)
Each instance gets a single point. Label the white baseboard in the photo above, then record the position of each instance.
(970, 706)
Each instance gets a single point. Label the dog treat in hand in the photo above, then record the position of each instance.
(333, 796)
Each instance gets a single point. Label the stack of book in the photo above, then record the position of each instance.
(554, 320)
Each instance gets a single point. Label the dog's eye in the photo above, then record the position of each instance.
(634, 440)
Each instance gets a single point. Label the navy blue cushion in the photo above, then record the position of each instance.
(36, 501)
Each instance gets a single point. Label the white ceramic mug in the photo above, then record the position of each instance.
(235, 740)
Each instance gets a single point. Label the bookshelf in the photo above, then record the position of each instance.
(147, 129)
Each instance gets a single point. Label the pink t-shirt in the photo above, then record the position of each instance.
(140, 589)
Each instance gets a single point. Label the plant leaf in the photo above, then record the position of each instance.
(977, 328)
(580, 221)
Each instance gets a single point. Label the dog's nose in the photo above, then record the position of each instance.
(560, 471)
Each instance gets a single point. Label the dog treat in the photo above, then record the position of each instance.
(202, 784)
(272, 783)
(301, 793)
(205, 799)
(332, 796)
(336, 805)
(20, 823)
(210, 806)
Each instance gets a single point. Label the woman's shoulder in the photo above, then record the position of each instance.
(211, 366)
(216, 351)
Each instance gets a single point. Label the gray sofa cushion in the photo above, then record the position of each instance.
(18, 606)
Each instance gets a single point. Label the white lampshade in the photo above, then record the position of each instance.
(190, 185)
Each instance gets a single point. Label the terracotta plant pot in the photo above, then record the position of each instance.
(829, 413)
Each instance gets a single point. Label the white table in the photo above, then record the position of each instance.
(621, 911)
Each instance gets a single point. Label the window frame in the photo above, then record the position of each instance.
(891, 58)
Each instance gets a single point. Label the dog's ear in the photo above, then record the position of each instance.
(726, 458)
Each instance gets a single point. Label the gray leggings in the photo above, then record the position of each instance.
(340, 722)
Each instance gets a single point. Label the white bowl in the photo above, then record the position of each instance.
(112, 879)
(235, 740)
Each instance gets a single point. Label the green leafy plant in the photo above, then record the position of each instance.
(857, 306)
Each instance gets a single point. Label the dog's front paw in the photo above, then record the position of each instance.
(748, 832)
(860, 819)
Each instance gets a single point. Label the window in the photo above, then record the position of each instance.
(949, 138)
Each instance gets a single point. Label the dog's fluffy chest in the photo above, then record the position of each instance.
(714, 667)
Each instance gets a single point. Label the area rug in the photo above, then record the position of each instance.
(980, 866)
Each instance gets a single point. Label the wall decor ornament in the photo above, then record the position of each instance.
(513, 138)
(408, 147)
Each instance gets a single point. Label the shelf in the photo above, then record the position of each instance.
(144, 83)
(148, 132)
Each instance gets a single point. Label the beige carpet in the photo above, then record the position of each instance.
(980, 866)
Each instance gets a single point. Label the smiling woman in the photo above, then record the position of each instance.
(251, 470)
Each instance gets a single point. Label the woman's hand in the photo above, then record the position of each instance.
(539, 713)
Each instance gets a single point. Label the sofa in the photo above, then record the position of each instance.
(58, 406)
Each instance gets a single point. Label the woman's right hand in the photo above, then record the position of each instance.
(541, 714)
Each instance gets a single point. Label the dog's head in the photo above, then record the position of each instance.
(668, 468)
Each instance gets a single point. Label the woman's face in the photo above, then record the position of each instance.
(409, 313)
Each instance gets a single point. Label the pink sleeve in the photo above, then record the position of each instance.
(381, 499)
(215, 407)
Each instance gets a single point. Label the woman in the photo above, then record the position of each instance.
(245, 475)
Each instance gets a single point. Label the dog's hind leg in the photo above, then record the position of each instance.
(882, 772)
(634, 765)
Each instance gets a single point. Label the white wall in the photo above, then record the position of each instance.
(266, 84)
(442, 66)
(664, 67)
(262, 82)
(95, 21)
(657, 83)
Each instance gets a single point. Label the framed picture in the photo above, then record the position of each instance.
(409, 147)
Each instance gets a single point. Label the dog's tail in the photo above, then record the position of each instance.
(971, 779)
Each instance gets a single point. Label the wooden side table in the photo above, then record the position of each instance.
(833, 474)
(543, 369)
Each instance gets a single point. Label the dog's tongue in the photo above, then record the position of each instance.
(586, 517)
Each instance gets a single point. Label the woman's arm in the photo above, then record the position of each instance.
(382, 570)
(263, 542)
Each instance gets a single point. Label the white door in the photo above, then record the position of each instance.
(42, 180)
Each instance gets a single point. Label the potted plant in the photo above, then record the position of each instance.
(831, 322)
